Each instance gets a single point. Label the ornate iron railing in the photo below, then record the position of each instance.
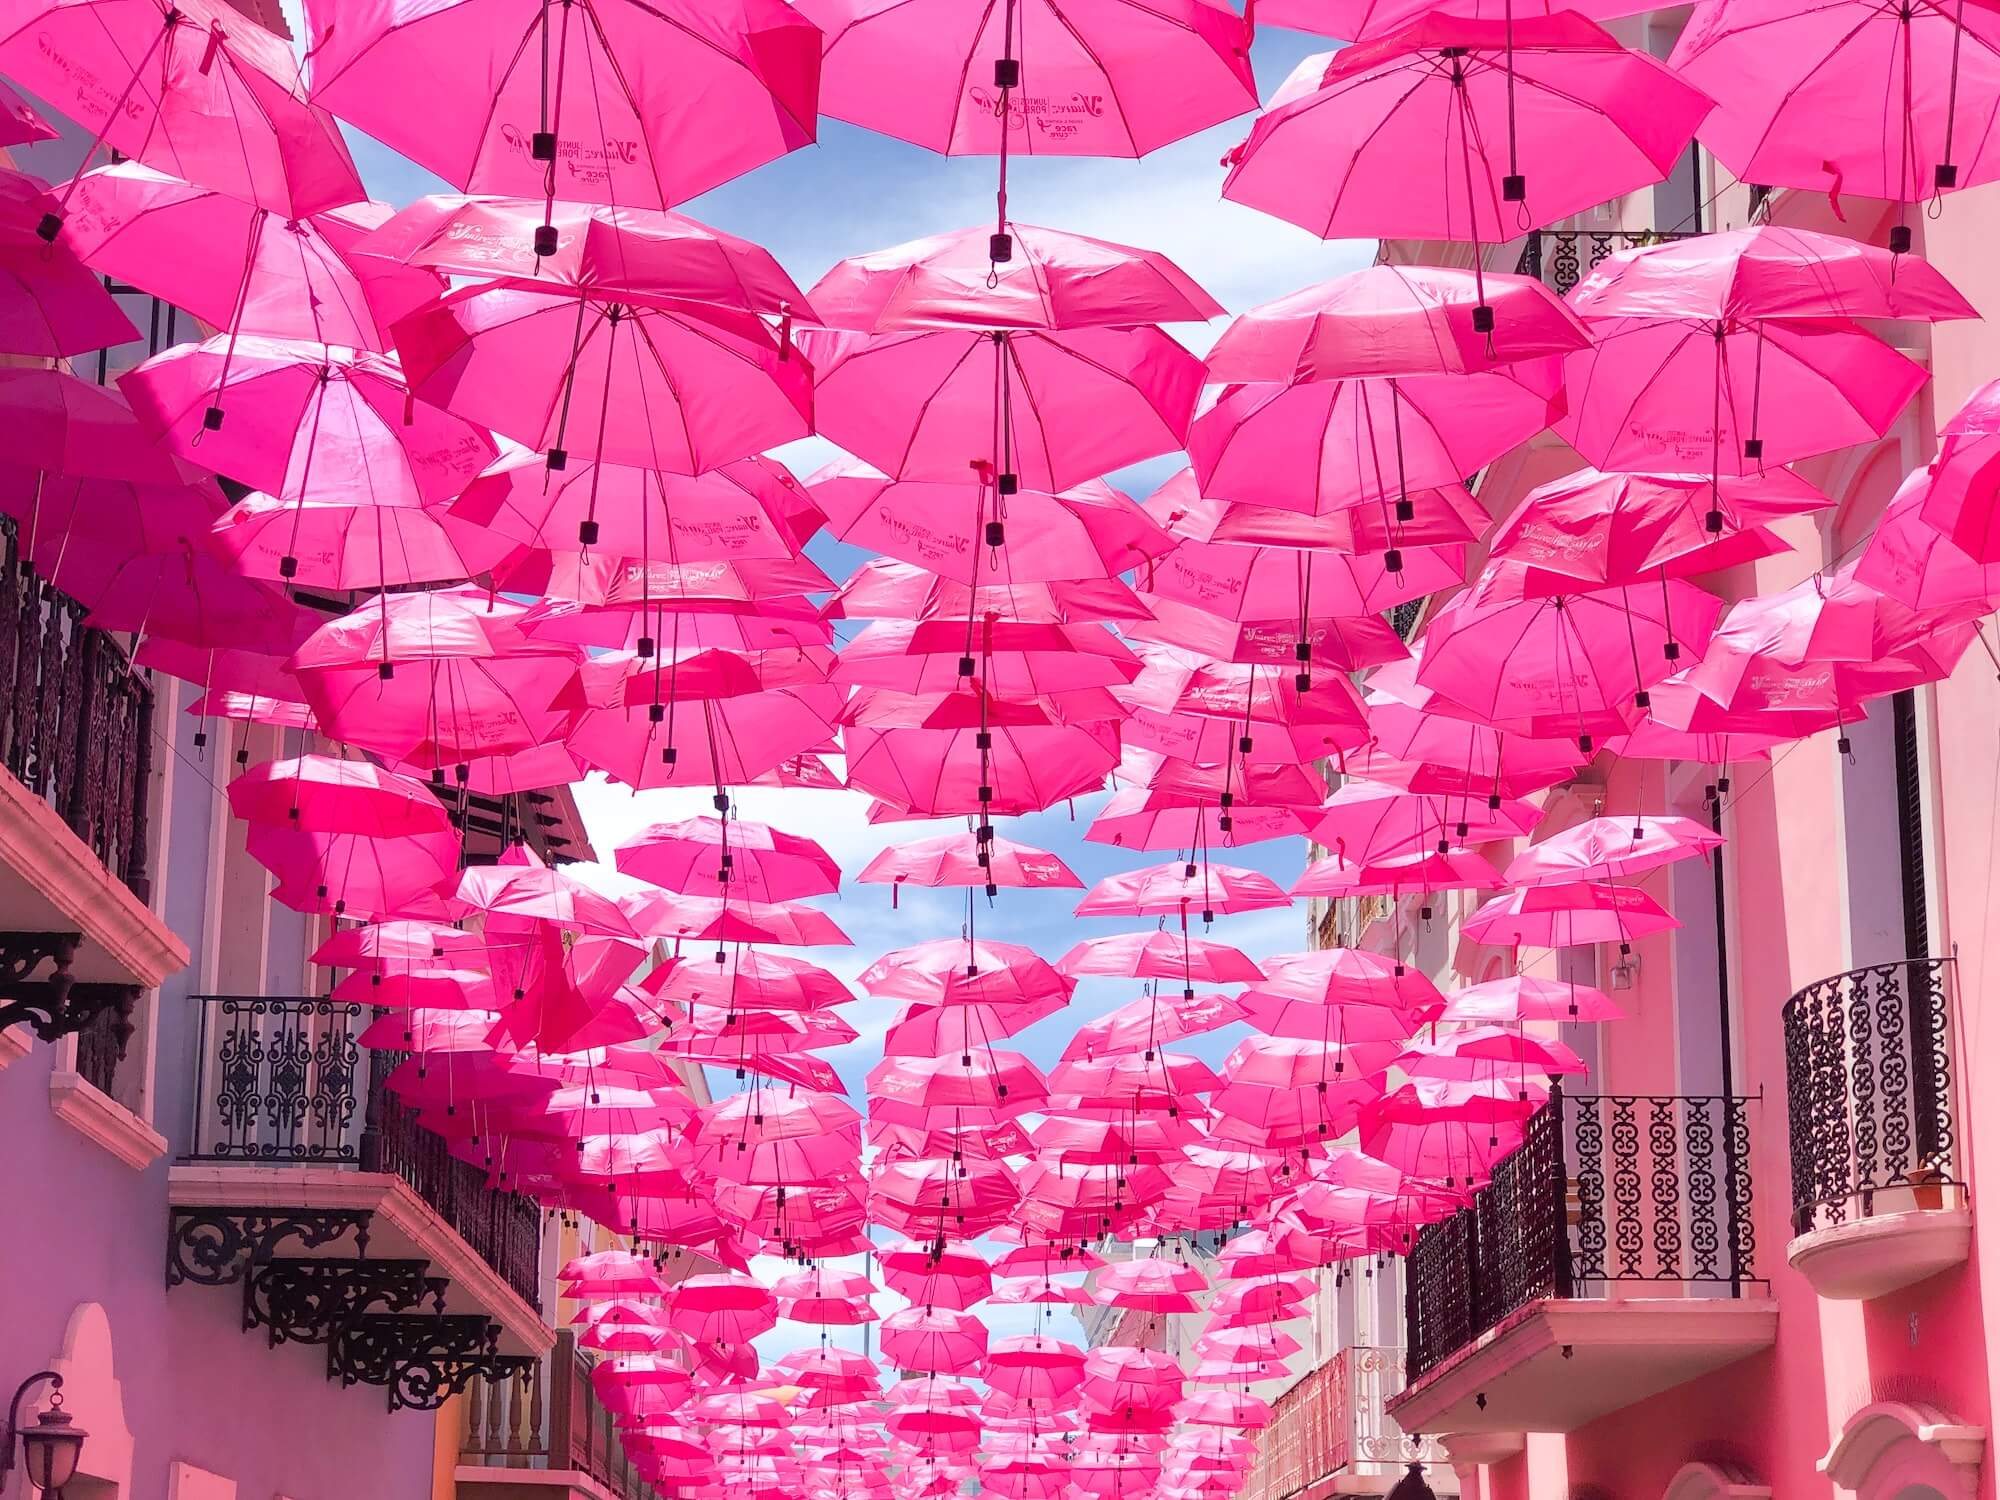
(549, 1418)
(76, 721)
(1333, 1420)
(283, 1080)
(1604, 1189)
(1560, 258)
(1868, 1090)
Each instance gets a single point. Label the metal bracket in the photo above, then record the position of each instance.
(310, 1301)
(55, 1005)
(217, 1246)
(421, 1358)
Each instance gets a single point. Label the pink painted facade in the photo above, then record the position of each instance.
(1872, 1371)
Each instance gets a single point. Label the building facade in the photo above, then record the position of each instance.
(1743, 1256)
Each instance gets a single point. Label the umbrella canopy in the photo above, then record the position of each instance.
(938, 75)
(199, 90)
(1523, 120)
(632, 112)
(657, 386)
(1075, 404)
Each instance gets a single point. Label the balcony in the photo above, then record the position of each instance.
(541, 1429)
(1610, 1258)
(1560, 258)
(344, 1223)
(1329, 1434)
(77, 936)
(1876, 1201)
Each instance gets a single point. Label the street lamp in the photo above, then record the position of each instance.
(50, 1449)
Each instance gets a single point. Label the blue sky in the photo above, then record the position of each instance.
(856, 191)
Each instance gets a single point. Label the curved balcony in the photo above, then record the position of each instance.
(1876, 1200)
(1609, 1258)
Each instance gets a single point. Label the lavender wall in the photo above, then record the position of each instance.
(83, 1227)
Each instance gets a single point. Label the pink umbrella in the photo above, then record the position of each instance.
(1160, 955)
(986, 81)
(1422, 872)
(735, 920)
(1072, 405)
(749, 980)
(990, 1083)
(1805, 659)
(964, 860)
(921, 754)
(641, 252)
(330, 541)
(20, 123)
(1565, 916)
(752, 509)
(1172, 889)
(1962, 500)
(51, 306)
(685, 722)
(521, 886)
(1592, 530)
(1470, 1054)
(140, 557)
(1136, 817)
(61, 425)
(1008, 659)
(1669, 395)
(1149, 1022)
(654, 385)
(1915, 562)
(1350, 643)
(1583, 120)
(1766, 271)
(1390, 320)
(957, 971)
(934, 1339)
(197, 89)
(963, 532)
(1344, 976)
(1577, 664)
(320, 794)
(882, 589)
(1280, 584)
(1611, 849)
(629, 114)
(707, 856)
(1438, 518)
(261, 272)
(434, 678)
(1330, 445)
(1058, 280)
(1521, 998)
(310, 410)
(1835, 97)
(1366, 819)
(350, 874)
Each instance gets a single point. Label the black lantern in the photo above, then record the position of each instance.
(49, 1449)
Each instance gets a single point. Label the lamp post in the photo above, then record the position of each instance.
(50, 1449)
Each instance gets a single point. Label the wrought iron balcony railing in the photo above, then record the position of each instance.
(548, 1417)
(1333, 1421)
(76, 720)
(1868, 1089)
(284, 1081)
(1560, 258)
(1605, 1189)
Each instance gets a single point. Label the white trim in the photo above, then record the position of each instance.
(399, 1215)
(99, 1118)
(16, 1042)
(1700, 1481)
(124, 942)
(1888, 1445)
